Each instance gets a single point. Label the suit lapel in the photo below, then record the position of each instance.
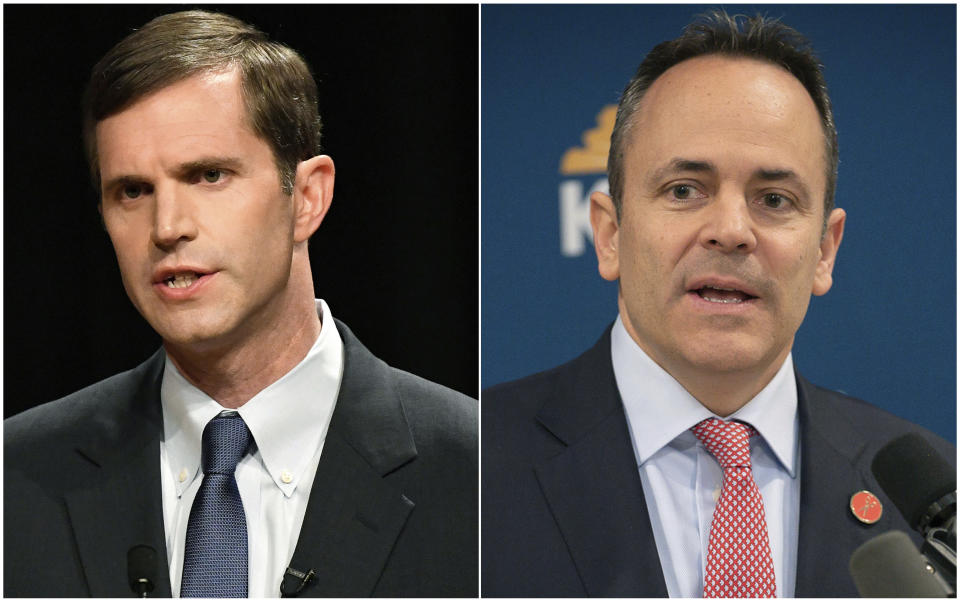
(354, 517)
(593, 486)
(122, 505)
(832, 452)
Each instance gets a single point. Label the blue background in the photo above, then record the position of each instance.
(886, 332)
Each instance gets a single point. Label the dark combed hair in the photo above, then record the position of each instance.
(717, 33)
(279, 91)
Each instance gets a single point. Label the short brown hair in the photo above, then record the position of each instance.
(278, 89)
(718, 33)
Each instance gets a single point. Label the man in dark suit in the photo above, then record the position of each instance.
(344, 477)
(602, 476)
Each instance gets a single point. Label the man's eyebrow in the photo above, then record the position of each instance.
(778, 175)
(121, 180)
(681, 165)
(208, 162)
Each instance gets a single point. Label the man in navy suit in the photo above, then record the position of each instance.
(352, 479)
(718, 227)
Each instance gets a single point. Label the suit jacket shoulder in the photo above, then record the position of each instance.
(438, 415)
(842, 416)
(97, 413)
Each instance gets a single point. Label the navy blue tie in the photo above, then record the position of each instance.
(215, 555)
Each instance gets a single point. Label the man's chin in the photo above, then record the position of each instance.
(195, 338)
(727, 354)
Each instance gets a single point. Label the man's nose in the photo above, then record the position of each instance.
(173, 217)
(729, 226)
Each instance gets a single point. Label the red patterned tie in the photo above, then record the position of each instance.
(739, 562)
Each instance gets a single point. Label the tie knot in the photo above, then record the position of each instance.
(728, 442)
(226, 439)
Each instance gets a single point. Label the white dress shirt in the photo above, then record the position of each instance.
(682, 480)
(288, 421)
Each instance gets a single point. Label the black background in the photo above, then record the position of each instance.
(396, 257)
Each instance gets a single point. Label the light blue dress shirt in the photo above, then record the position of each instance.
(681, 480)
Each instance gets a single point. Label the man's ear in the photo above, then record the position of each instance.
(829, 245)
(606, 230)
(312, 195)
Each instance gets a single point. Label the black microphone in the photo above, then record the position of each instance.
(141, 569)
(890, 566)
(918, 480)
(294, 581)
(923, 486)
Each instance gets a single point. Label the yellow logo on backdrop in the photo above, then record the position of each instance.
(591, 158)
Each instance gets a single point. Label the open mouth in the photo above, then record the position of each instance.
(725, 296)
(182, 280)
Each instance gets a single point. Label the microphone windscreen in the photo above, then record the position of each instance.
(142, 568)
(891, 566)
(913, 475)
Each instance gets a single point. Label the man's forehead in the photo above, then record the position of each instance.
(202, 115)
(711, 103)
(729, 84)
(224, 83)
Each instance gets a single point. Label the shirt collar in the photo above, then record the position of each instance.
(659, 410)
(288, 419)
